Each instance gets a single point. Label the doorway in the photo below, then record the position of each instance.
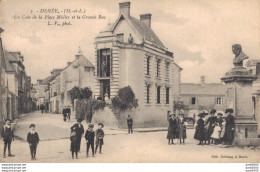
(104, 88)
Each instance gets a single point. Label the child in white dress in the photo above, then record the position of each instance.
(216, 133)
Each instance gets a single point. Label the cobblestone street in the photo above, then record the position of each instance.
(142, 146)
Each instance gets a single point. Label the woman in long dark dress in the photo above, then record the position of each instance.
(172, 129)
(200, 133)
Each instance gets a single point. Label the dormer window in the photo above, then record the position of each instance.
(120, 37)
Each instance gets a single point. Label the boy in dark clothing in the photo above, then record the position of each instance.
(33, 140)
(99, 137)
(74, 146)
(7, 136)
(90, 136)
(79, 129)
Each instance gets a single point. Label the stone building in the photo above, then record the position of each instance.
(254, 66)
(79, 73)
(196, 97)
(3, 86)
(40, 87)
(128, 52)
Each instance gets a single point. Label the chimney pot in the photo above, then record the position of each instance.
(124, 7)
(146, 18)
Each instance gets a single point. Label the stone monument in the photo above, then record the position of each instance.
(239, 97)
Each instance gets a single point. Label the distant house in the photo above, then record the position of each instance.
(79, 73)
(203, 96)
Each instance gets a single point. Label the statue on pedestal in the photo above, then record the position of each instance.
(239, 55)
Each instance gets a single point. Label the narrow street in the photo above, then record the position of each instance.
(119, 146)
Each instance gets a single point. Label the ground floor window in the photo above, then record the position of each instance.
(148, 93)
(158, 94)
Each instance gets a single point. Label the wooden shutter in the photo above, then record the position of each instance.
(98, 62)
(111, 60)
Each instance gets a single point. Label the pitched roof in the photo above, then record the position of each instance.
(206, 89)
(142, 29)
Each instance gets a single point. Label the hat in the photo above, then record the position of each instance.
(219, 114)
(229, 110)
(202, 114)
(32, 125)
(79, 120)
(101, 124)
(213, 111)
(90, 125)
(7, 120)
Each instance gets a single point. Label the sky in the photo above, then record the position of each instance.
(200, 33)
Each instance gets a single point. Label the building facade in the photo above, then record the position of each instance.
(78, 73)
(128, 52)
(202, 96)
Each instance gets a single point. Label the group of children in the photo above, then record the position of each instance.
(8, 136)
(90, 135)
(77, 131)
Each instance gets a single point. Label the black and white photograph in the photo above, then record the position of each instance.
(170, 81)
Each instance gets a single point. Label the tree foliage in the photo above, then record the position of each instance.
(79, 93)
(125, 100)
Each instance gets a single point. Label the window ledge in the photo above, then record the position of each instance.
(158, 104)
(148, 76)
(147, 104)
(159, 78)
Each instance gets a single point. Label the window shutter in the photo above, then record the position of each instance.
(111, 60)
(98, 62)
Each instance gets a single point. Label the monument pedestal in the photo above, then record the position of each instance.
(239, 97)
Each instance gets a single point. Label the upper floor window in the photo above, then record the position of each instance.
(167, 64)
(167, 95)
(148, 59)
(193, 100)
(219, 101)
(158, 67)
(148, 93)
(104, 63)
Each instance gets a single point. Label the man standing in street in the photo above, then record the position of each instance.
(230, 127)
(64, 113)
(7, 136)
(79, 129)
(68, 112)
(130, 124)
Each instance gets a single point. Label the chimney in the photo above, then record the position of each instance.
(124, 7)
(202, 80)
(146, 18)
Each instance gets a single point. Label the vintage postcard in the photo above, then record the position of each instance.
(133, 81)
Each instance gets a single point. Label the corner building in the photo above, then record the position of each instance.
(128, 52)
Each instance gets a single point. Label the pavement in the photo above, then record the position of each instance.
(145, 145)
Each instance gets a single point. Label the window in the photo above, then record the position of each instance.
(120, 37)
(148, 65)
(219, 101)
(167, 70)
(104, 63)
(193, 100)
(158, 63)
(148, 93)
(158, 94)
(167, 95)
(87, 69)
